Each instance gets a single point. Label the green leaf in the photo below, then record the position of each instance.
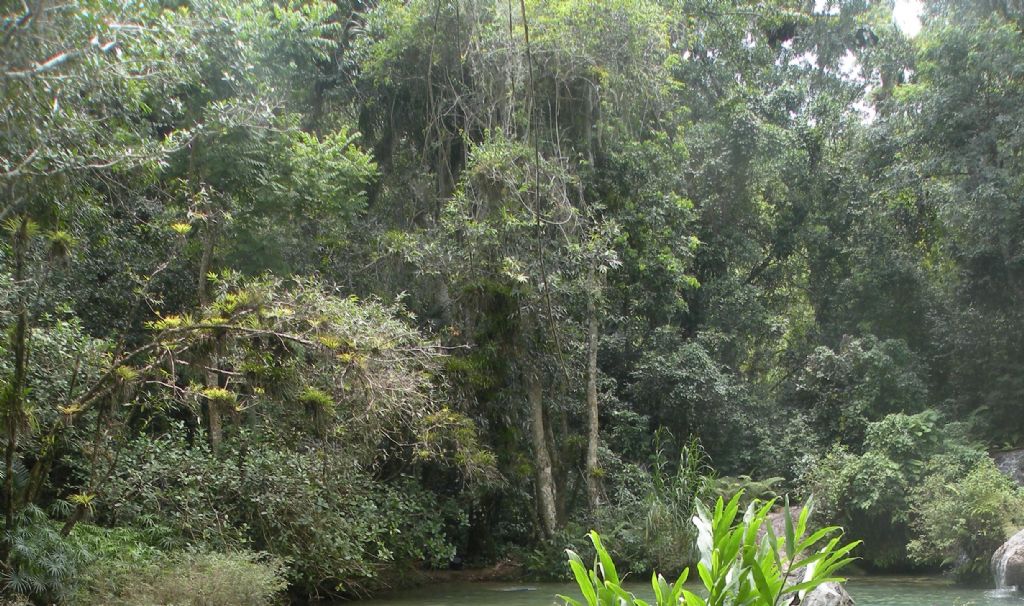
(790, 533)
(607, 566)
(580, 572)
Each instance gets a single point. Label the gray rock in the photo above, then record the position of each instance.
(828, 594)
(1011, 463)
(1008, 563)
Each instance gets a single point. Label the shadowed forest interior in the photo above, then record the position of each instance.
(311, 299)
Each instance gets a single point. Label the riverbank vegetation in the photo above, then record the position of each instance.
(300, 298)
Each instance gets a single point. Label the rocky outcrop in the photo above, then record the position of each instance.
(1011, 463)
(1008, 563)
(828, 594)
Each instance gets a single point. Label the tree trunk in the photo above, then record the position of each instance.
(16, 390)
(214, 423)
(214, 416)
(588, 122)
(593, 428)
(76, 516)
(546, 502)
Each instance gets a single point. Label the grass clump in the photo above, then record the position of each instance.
(132, 567)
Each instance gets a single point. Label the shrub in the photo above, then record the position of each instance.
(652, 507)
(206, 579)
(131, 567)
(43, 565)
(729, 486)
(871, 494)
(919, 495)
(669, 506)
(842, 391)
(546, 560)
(960, 522)
(335, 526)
(118, 557)
(139, 567)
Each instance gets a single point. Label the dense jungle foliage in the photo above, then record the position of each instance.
(306, 297)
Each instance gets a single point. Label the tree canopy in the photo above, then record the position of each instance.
(417, 280)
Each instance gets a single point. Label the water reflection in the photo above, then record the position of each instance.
(925, 591)
(867, 591)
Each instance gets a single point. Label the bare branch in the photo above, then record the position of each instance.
(50, 64)
(20, 168)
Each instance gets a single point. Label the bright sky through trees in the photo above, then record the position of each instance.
(907, 15)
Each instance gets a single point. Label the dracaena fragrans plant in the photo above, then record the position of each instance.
(743, 562)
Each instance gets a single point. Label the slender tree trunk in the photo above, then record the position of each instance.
(40, 470)
(204, 266)
(16, 393)
(214, 415)
(559, 472)
(593, 428)
(76, 516)
(444, 302)
(588, 122)
(214, 419)
(546, 502)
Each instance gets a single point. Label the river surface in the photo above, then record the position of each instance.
(866, 591)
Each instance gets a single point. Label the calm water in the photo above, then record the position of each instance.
(868, 591)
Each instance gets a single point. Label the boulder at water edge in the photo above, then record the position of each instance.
(1008, 563)
(828, 594)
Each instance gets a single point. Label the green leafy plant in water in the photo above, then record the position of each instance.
(740, 565)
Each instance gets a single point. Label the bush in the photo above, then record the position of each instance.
(130, 567)
(336, 527)
(546, 560)
(842, 391)
(753, 490)
(202, 579)
(118, 558)
(894, 496)
(960, 523)
(648, 516)
(652, 508)
(43, 565)
(867, 493)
